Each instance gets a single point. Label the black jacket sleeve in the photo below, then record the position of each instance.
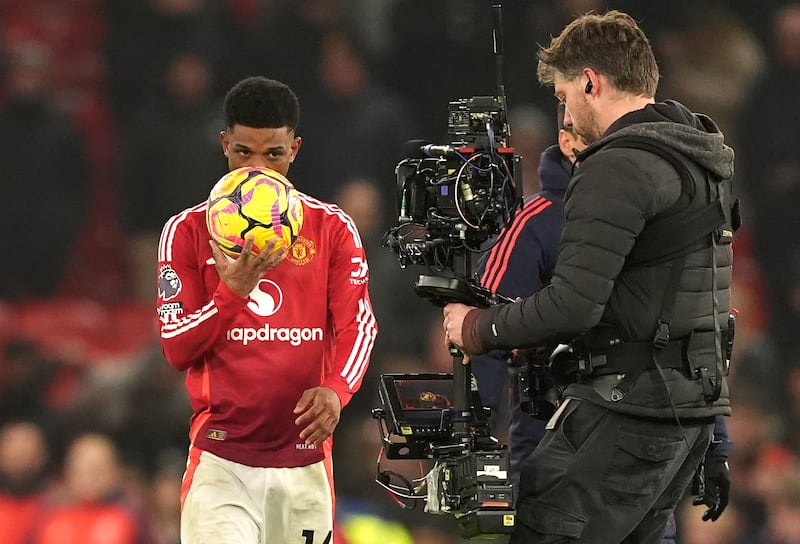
(606, 207)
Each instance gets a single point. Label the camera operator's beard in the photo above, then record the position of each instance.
(584, 123)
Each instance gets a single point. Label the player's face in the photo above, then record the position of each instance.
(273, 148)
(578, 113)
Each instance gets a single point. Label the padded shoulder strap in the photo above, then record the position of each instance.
(681, 228)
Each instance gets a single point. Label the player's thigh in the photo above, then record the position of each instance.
(217, 508)
(299, 508)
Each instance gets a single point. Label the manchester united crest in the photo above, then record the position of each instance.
(302, 251)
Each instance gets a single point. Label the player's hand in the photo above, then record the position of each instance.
(319, 409)
(714, 489)
(241, 275)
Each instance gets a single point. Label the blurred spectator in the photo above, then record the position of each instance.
(728, 529)
(758, 457)
(143, 406)
(531, 132)
(783, 512)
(44, 172)
(709, 61)
(165, 496)
(443, 51)
(446, 58)
(170, 158)
(135, 60)
(300, 26)
(793, 416)
(357, 127)
(770, 161)
(91, 508)
(24, 476)
(25, 378)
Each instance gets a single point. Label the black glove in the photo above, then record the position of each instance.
(712, 486)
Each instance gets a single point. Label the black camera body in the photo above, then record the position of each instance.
(453, 198)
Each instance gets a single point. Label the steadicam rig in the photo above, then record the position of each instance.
(451, 200)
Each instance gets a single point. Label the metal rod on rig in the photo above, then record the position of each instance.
(462, 406)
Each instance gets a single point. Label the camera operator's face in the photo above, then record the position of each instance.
(578, 111)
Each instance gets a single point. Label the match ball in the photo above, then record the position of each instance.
(256, 201)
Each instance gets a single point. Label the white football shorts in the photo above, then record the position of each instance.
(223, 502)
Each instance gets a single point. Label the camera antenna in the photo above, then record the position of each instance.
(497, 49)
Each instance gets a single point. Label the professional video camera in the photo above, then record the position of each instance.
(451, 199)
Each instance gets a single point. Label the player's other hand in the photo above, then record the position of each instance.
(241, 275)
(318, 414)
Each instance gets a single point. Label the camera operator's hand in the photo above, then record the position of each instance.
(454, 314)
(714, 479)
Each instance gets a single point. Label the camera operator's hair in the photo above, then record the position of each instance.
(259, 102)
(611, 44)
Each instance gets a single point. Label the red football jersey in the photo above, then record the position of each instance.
(307, 323)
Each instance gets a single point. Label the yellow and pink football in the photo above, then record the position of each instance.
(256, 201)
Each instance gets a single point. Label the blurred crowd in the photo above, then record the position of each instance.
(109, 118)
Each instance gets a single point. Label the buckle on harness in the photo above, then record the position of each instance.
(661, 338)
(708, 383)
(588, 364)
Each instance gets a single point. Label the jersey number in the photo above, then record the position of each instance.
(309, 536)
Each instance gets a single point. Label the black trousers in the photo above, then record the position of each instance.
(607, 478)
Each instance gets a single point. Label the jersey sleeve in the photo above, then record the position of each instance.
(350, 309)
(191, 318)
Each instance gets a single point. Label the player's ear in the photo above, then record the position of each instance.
(298, 141)
(224, 142)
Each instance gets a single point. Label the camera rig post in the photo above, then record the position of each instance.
(451, 200)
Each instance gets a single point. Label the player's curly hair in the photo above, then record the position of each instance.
(260, 102)
(612, 44)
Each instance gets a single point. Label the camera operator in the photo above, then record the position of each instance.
(520, 264)
(641, 290)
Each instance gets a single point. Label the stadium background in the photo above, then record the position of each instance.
(109, 114)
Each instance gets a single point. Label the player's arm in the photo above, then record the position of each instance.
(354, 331)
(191, 320)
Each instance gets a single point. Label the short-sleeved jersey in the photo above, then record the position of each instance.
(307, 323)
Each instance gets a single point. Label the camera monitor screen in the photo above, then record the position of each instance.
(419, 404)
